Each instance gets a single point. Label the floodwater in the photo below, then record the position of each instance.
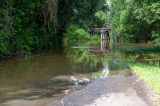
(48, 75)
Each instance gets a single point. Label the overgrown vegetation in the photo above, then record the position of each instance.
(136, 20)
(75, 33)
(27, 26)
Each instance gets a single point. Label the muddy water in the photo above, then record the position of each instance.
(48, 75)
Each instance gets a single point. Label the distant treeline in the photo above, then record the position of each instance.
(136, 20)
(27, 26)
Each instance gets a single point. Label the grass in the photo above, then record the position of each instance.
(139, 49)
(150, 75)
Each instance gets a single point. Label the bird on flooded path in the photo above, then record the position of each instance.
(82, 81)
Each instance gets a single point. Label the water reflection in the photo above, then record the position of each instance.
(83, 61)
(49, 75)
(147, 58)
(32, 78)
(46, 75)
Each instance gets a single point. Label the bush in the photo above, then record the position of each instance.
(75, 33)
(156, 36)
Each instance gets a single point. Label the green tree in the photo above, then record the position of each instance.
(27, 26)
(136, 20)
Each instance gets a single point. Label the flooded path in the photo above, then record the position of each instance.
(60, 78)
(116, 90)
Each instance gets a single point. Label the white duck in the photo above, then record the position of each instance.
(74, 80)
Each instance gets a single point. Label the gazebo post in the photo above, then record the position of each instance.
(104, 37)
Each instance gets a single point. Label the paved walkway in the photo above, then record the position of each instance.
(113, 91)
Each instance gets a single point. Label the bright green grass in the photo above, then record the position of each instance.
(150, 75)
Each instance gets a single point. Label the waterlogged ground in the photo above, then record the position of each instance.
(45, 79)
(117, 90)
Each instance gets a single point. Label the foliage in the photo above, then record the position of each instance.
(95, 38)
(79, 12)
(139, 49)
(75, 33)
(28, 26)
(102, 15)
(136, 20)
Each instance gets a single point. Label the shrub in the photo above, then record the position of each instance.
(75, 33)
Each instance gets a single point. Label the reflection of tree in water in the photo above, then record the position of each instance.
(84, 61)
(115, 61)
(32, 78)
(147, 58)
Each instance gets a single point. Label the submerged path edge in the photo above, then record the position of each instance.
(143, 91)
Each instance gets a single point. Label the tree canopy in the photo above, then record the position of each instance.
(30, 25)
(136, 20)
